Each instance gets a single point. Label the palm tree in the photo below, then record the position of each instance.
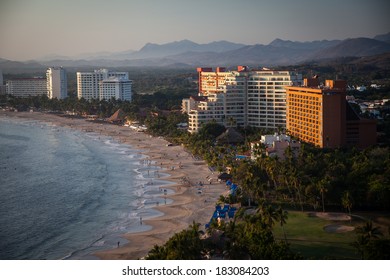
(346, 201)
(323, 185)
(157, 253)
(293, 178)
(222, 199)
(246, 179)
(272, 170)
(282, 216)
(366, 234)
(268, 214)
(369, 231)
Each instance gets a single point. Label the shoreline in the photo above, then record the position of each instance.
(189, 203)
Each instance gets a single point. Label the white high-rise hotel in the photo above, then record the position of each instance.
(266, 97)
(103, 84)
(240, 98)
(56, 83)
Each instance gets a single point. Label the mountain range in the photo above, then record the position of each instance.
(186, 53)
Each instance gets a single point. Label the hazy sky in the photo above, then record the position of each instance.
(31, 29)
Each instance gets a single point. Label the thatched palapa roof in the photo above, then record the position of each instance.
(230, 136)
(118, 116)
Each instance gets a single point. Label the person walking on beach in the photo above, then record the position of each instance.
(140, 221)
(118, 244)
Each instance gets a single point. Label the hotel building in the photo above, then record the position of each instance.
(25, 87)
(114, 87)
(222, 99)
(320, 115)
(57, 83)
(240, 98)
(266, 97)
(88, 82)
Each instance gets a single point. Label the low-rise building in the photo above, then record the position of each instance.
(274, 146)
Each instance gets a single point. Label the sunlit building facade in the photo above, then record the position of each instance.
(266, 97)
(57, 83)
(240, 98)
(320, 115)
(223, 99)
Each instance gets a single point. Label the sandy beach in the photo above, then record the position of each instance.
(191, 202)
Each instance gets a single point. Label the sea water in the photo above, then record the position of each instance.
(65, 194)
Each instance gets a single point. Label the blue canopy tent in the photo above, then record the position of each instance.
(233, 189)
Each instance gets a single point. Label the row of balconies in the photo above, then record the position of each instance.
(267, 118)
(304, 121)
(306, 118)
(314, 134)
(265, 115)
(256, 95)
(255, 109)
(304, 112)
(301, 97)
(309, 99)
(305, 105)
(308, 126)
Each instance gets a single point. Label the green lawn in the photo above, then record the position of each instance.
(308, 238)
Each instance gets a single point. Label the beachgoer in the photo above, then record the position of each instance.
(118, 244)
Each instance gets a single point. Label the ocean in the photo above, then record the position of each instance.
(65, 194)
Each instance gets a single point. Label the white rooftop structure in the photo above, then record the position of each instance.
(270, 139)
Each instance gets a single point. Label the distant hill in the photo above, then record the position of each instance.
(263, 55)
(314, 45)
(220, 53)
(180, 47)
(379, 61)
(353, 47)
(383, 37)
(15, 66)
(281, 52)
